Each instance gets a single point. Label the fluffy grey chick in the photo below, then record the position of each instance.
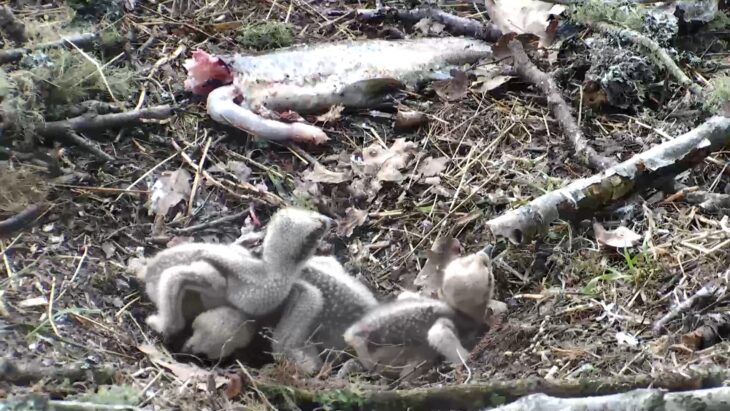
(210, 262)
(408, 335)
(323, 303)
(468, 285)
(255, 286)
(344, 300)
(220, 331)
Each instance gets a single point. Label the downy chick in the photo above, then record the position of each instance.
(412, 332)
(325, 291)
(220, 331)
(216, 260)
(407, 336)
(468, 285)
(255, 286)
(344, 300)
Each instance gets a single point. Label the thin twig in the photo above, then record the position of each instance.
(709, 290)
(196, 181)
(456, 25)
(211, 223)
(75, 138)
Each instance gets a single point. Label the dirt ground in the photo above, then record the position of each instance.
(576, 309)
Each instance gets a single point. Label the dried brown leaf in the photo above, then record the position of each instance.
(453, 89)
(427, 26)
(621, 237)
(353, 218)
(501, 47)
(332, 115)
(234, 386)
(442, 252)
(240, 170)
(183, 371)
(320, 174)
(489, 84)
(524, 16)
(432, 166)
(385, 163)
(168, 190)
(109, 249)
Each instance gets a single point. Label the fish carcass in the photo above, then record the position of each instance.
(248, 92)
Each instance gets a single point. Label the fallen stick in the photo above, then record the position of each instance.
(21, 220)
(83, 41)
(68, 129)
(714, 399)
(529, 72)
(43, 402)
(75, 138)
(456, 25)
(711, 290)
(90, 122)
(644, 170)
(480, 395)
(21, 373)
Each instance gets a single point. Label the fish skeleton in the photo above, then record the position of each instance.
(247, 92)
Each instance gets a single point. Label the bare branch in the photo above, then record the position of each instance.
(636, 400)
(101, 122)
(644, 170)
(22, 219)
(456, 25)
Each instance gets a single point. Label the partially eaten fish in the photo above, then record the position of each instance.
(254, 93)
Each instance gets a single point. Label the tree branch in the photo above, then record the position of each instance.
(456, 25)
(642, 171)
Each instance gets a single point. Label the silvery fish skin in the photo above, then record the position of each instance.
(311, 79)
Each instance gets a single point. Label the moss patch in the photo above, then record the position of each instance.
(266, 36)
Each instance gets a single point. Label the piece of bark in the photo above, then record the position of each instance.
(529, 72)
(456, 25)
(714, 399)
(584, 196)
